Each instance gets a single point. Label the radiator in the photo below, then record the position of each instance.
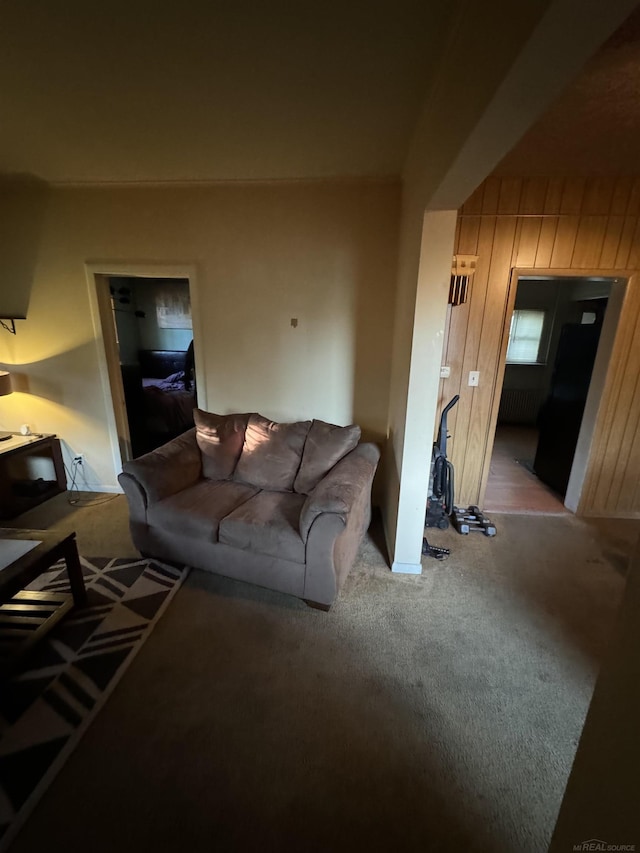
(518, 406)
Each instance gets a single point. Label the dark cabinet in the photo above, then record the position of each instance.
(31, 471)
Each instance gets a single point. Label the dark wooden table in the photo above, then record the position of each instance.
(26, 616)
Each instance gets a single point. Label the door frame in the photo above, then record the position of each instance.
(619, 289)
(97, 274)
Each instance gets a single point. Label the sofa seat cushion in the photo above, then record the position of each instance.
(271, 453)
(197, 511)
(266, 524)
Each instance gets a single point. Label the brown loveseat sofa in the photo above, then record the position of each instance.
(283, 506)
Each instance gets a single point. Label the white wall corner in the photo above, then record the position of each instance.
(434, 273)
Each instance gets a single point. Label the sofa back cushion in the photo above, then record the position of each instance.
(325, 446)
(271, 453)
(220, 439)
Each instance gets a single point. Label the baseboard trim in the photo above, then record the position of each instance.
(97, 487)
(406, 568)
(632, 515)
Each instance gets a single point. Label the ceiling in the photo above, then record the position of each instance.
(593, 128)
(136, 90)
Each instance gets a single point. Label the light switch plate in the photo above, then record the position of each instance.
(474, 378)
(445, 371)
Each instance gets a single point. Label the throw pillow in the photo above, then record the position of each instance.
(271, 453)
(325, 446)
(220, 439)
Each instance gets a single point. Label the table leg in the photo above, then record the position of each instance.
(74, 570)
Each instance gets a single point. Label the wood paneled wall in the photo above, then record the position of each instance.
(555, 226)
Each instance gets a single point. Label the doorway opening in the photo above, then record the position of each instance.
(154, 334)
(559, 342)
(148, 360)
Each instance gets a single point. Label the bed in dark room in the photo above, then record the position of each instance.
(160, 398)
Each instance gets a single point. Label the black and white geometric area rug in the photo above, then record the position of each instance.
(47, 705)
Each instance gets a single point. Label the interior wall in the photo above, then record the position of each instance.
(323, 253)
(561, 225)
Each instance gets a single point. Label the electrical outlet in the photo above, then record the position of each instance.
(445, 372)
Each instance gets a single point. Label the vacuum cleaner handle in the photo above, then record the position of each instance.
(450, 404)
(442, 432)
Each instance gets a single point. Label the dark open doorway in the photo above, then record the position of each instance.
(152, 318)
(553, 343)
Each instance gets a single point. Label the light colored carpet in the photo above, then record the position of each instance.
(438, 712)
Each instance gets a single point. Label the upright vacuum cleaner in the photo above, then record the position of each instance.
(441, 481)
(440, 503)
(441, 487)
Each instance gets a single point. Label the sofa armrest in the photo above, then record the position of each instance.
(167, 470)
(336, 515)
(136, 498)
(340, 489)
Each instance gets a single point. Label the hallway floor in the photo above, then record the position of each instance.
(511, 486)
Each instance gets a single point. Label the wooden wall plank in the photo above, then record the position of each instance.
(491, 195)
(572, 195)
(616, 443)
(565, 242)
(623, 488)
(497, 391)
(553, 197)
(598, 194)
(527, 241)
(497, 315)
(626, 239)
(620, 199)
(468, 231)
(546, 242)
(456, 239)
(471, 345)
(625, 444)
(634, 465)
(488, 348)
(459, 323)
(532, 198)
(633, 206)
(468, 245)
(633, 261)
(611, 243)
(603, 451)
(474, 203)
(509, 198)
(589, 242)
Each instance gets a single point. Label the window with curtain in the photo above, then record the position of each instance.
(525, 337)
